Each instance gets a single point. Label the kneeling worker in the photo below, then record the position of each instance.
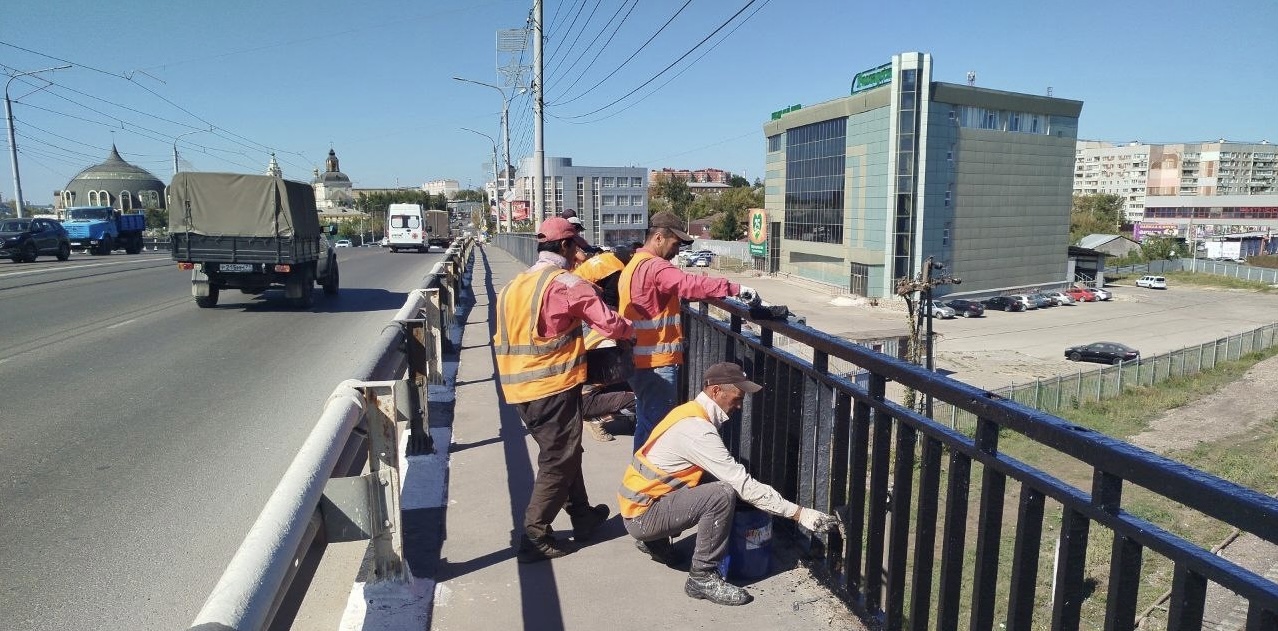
(660, 495)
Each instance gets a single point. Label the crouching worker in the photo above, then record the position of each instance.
(661, 496)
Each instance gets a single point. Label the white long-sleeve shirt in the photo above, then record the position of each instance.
(692, 441)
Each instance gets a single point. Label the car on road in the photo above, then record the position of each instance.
(25, 238)
(1003, 303)
(343, 243)
(1105, 352)
(967, 308)
(1152, 282)
(936, 309)
(1060, 297)
(701, 261)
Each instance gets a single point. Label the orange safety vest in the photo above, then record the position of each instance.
(595, 269)
(643, 483)
(660, 338)
(531, 366)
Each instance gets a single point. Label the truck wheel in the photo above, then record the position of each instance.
(205, 302)
(134, 245)
(104, 247)
(307, 281)
(64, 251)
(330, 285)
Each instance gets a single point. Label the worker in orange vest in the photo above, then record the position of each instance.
(541, 366)
(661, 493)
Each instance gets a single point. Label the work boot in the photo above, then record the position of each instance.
(707, 584)
(541, 549)
(597, 431)
(662, 551)
(585, 524)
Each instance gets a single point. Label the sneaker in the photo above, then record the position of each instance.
(662, 551)
(708, 585)
(597, 431)
(585, 524)
(542, 549)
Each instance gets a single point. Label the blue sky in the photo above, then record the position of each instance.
(372, 79)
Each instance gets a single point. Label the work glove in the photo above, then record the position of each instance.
(817, 521)
(748, 296)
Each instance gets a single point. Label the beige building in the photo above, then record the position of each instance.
(449, 188)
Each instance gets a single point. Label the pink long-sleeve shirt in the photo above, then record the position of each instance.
(656, 280)
(569, 299)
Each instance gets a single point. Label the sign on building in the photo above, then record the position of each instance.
(872, 78)
(758, 233)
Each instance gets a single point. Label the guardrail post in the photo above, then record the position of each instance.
(381, 405)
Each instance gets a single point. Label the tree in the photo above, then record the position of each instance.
(1159, 248)
(737, 181)
(675, 190)
(727, 227)
(470, 195)
(1095, 214)
(157, 219)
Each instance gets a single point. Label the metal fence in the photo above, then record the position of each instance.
(1201, 266)
(322, 497)
(1064, 392)
(925, 540)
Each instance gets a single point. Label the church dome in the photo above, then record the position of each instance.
(107, 183)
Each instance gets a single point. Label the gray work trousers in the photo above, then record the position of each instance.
(708, 506)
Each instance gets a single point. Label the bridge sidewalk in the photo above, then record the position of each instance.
(491, 463)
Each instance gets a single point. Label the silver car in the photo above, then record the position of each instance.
(1060, 297)
(935, 308)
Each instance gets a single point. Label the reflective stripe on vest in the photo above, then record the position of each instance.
(660, 337)
(532, 366)
(644, 483)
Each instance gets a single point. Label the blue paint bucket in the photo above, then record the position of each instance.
(749, 545)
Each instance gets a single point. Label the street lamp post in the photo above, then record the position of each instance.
(495, 184)
(13, 142)
(175, 140)
(505, 181)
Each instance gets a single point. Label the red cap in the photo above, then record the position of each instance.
(557, 228)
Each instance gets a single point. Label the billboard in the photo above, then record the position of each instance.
(758, 232)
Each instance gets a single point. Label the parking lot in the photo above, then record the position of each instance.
(1002, 348)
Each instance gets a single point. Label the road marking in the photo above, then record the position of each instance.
(71, 267)
(129, 321)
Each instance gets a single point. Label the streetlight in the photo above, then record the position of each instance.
(495, 183)
(178, 137)
(505, 130)
(13, 143)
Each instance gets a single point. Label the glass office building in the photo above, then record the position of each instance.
(860, 190)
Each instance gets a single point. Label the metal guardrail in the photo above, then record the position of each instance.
(1201, 266)
(316, 496)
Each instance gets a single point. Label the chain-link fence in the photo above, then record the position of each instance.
(1201, 266)
(1063, 392)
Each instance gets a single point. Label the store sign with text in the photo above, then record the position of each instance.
(758, 233)
(872, 78)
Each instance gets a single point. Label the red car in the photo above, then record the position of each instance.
(1081, 294)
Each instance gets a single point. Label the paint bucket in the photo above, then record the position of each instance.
(749, 545)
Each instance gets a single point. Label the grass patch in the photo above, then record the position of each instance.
(1213, 280)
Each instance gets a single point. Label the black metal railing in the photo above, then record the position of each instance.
(925, 506)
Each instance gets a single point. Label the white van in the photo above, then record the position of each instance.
(1152, 282)
(405, 230)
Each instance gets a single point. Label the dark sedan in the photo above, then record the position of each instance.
(1104, 352)
(967, 308)
(24, 239)
(1004, 303)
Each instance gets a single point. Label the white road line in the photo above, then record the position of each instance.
(129, 321)
(70, 267)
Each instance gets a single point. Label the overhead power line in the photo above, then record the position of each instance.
(557, 60)
(611, 20)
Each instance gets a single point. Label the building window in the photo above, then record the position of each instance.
(126, 200)
(636, 182)
(815, 163)
(636, 200)
(609, 182)
(1013, 121)
(623, 218)
(945, 235)
(989, 119)
(948, 195)
(611, 219)
(860, 280)
(636, 218)
(609, 200)
(623, 200)
(774, 143)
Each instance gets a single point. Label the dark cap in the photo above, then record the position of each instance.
(568, 213)
(724, 373)
(671, 222)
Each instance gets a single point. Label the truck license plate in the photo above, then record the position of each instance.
(235, 267)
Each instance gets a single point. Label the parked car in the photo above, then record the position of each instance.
(936, 309)
(701, 261)
(1106, 352)
(1152, 282)
(1081, 294)
(25, 238)
(1003, 303)
(967, 308)
(1024, 299)
(1102, 294)
(343, 243)
(1060, 297)
(1042, 300)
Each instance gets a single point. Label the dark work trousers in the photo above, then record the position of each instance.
(708, 506)
(602, 403)
(555, 423)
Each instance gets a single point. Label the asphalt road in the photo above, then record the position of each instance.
(140, 435)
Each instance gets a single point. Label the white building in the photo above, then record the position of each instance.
(1136, 170)
(332, 187)
(449, 188)
(612, 202)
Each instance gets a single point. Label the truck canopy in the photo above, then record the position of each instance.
(236, 204)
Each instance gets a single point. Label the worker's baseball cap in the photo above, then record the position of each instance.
(557, 228)
(724, 373)
(571, 216)
(671, 222)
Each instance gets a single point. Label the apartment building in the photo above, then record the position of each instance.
(1136, 171)
(612, 202)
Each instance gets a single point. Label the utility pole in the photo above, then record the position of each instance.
(13, 142)
(495, 182)
(910, 290)
(539, 146)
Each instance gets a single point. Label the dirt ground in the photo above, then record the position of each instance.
(1231, 411)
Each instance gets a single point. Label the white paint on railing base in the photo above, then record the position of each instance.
(388, 606)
